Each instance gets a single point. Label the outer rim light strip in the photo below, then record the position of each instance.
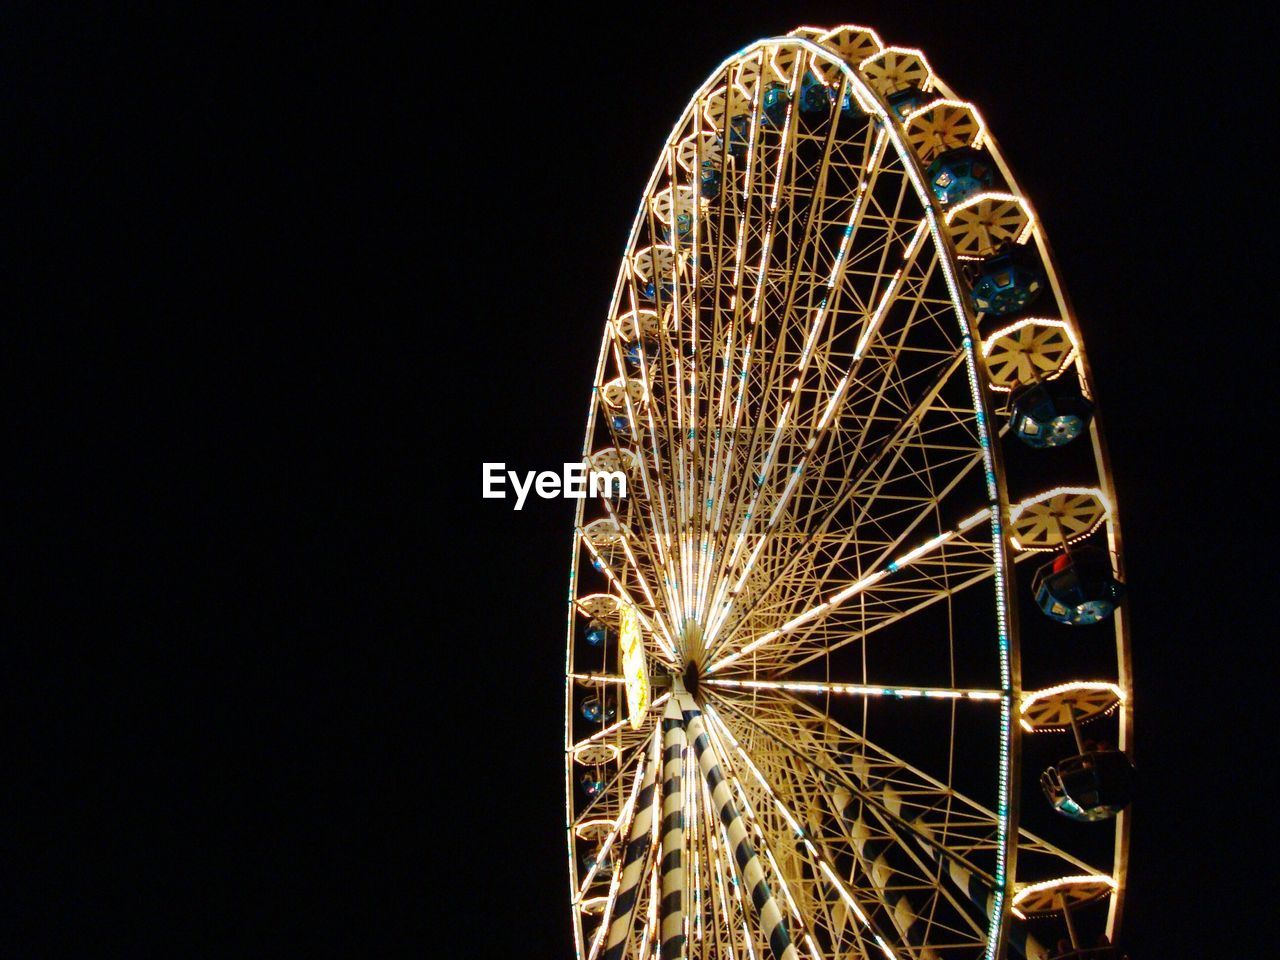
(995, 927)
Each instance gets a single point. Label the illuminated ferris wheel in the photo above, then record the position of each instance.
(847, 674)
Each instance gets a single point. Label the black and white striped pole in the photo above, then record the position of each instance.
(673, 852)
(634, 859)
(772, 922)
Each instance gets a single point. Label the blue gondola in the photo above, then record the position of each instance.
(597, 632)
(1006, 282)
(1051, 413)
(815, 96)
(956, 175)
(1077, 588)
(739, 130)
(1095, 785)
(709, 180)
(774, 103)
(606, 865)
(682, 228)
(595, 711)
(903, 101)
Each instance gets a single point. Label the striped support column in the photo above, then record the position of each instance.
(877, 853)
(633, 863)
(672, 868)
(772, 923)
(981, 895)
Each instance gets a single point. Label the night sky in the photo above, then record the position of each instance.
(360, 257)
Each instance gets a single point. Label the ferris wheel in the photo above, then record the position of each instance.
(848, 667)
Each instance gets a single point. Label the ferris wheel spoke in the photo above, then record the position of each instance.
(783, 360)
(653, 479)
(896, 882)
(823, 866)
(937, 464)
(621, 725)
(625, 746)
(902, 291)
(940, 567)
(767, 226)
(781, 843)
(795, 272)
(814, 542)
(633, 820)
(767, 839)
(935, 814)
(669, 381)
(824, 609)
(704, 346)
(857, 689)
(726, 897)
(827, 307)
(650, 611)
(836, 459)
(801, 735)
(874, 844)
(641, 795)
(910, 602)
(685, 488)
(749, 322)
(737, 845)
(655, 513)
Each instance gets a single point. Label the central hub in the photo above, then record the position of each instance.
(692, 674)
(691, 647)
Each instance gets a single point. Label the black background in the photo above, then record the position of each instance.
(295, 277)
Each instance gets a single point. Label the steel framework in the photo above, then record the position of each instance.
(821, 543)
